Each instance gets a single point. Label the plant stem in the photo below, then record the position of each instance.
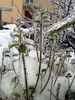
(26, 84)
(40, 59)
(2, 91)
(58, 87)
(16, 76)
(59, 71)
(71, 83)
(68, 81)
(51, 87)
(50, 69)
(41, 79)
(37, 50)
(57, 68)
(2, 63)
(48, 62)
(53, 94)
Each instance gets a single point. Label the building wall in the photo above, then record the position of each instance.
(14, 13)
(22, 9)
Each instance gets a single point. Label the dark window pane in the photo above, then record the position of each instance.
(26, 13)
(31, 1)
(27, 1)
(30, 17)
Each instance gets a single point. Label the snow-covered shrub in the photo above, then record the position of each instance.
(33, 75)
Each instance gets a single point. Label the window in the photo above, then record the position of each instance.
(27, 14)
(29, 1)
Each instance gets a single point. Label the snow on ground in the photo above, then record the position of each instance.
(10, 26)
(5, 45)
(5, 38)
(32, 70)
(7, 82)
(33, 54)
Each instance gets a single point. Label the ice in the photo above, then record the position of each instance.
(7, 79)
(33, 54)
(69, 18)
(10, 26)
(32, 65)
(40, 97)
(32, 70)
(5, 45)
(2, 41)
(27, 30)
(6, 35)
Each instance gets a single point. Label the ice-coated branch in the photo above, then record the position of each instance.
(50, 68)
(58, 88)
(51, 87)
(71, 83)
(25, 73)
(59, 70)
(40, 60)
(66, 22)
(2, 63)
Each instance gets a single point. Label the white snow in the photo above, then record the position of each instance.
(5, 45)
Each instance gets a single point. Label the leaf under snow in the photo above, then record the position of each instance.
(15, 54)
(13, 45)
(17, 95)
(37, 21)
(9, 70)
(55, 36)
(22, 48)
(45, 17)
(7, 55)
(29, 44)
(31, 87)
(46, 21)
(16, 35)
(25, 34)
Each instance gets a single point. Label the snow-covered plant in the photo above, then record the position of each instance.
(55, 60)
(22, 47)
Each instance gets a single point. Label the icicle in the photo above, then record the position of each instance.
(62, 22)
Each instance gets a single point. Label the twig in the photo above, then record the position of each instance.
(40, 58)
(59, 70)
(58, 88)
(41, 4)
(71, 84)
(51, 87)
(16, 84)
(10, 16)
(50, 69)
(48, 62)
(16, 76)
(2, 63)
(53, 94)
(24, 66)
(1, 91)
(41, 79)
(37, 50)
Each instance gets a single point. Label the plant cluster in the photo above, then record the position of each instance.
(52, 56)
